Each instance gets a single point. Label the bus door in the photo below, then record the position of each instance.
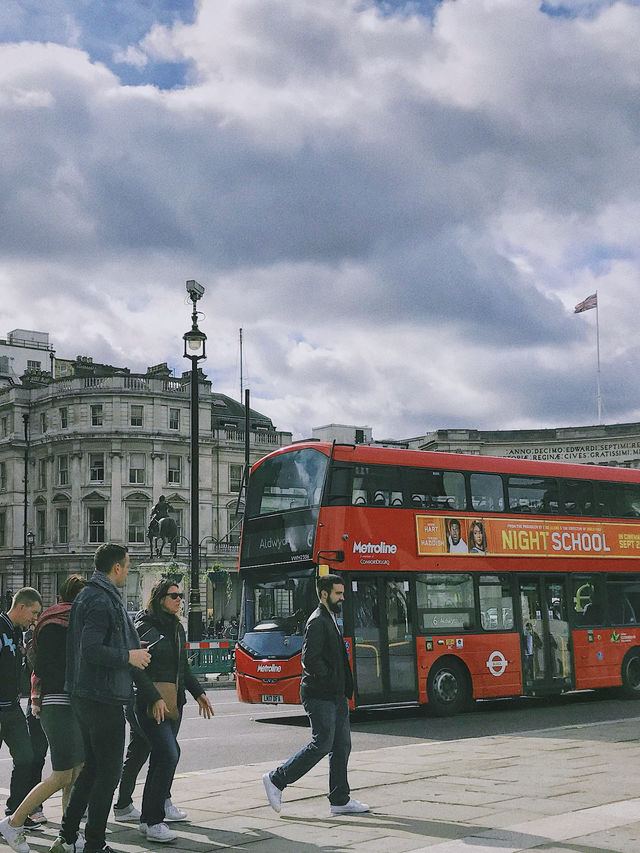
(384, 649)
(546, 654)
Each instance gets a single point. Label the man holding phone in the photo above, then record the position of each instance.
(103, 651)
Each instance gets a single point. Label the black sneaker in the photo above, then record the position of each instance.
(31, 824)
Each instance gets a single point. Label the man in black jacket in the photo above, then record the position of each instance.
(325, 688)
(25, 609)
(103, 650)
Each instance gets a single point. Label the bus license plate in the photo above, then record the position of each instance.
(272, 699)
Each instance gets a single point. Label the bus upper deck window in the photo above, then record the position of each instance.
(534, 494)
(620, 500)
(578, 497)
(487, 492)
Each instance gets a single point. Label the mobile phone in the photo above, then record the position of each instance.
(155, 642)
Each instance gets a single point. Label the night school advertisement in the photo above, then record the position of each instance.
(507, 537)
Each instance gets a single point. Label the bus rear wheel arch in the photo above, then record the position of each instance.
(631, 674)
(448, 687)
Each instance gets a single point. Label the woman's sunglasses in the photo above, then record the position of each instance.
(175, 595)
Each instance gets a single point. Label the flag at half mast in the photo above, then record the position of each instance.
(586, 304)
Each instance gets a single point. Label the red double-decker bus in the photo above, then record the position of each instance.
(465, 576)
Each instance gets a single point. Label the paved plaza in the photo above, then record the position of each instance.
(573, 789)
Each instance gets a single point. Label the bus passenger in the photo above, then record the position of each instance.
(456, 543)
(529, 646)
(325, 688)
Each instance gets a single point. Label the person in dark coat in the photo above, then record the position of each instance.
(25, 609)
(103, 652)
(160, 629)
(52, 705)
(325, 688)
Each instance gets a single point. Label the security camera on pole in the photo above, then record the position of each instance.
(194, 349)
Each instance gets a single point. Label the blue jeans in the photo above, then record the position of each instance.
(136, 757)
(163, 760)
(102, 728)
(330, 735)
(14, 732)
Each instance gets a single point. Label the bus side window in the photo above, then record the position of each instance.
(340, 486)
(533, 494)
(487, 492)
(623, 594)
(588, 601)
(496, 603)
(374, 485)
(621, 500)
(577, 497)
(445, 602)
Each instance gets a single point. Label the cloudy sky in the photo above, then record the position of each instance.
(399, 202)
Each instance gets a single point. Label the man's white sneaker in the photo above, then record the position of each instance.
(352, 807)
(130, 814)
(274, 794)
(61, 846)
(142, 828)
(173, 813)
(160, 832)
(14, 836)
(80, 842)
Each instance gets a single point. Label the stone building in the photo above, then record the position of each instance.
(102, 444)
(610, 444)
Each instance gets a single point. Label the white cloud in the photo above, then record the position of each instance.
(400, 212)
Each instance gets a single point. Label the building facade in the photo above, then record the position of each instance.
(99, 447)
(611, 444)
(24, 350)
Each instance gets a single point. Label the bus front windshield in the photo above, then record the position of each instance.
(287, 481)
(274, 614)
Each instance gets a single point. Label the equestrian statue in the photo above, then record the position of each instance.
(162, 528)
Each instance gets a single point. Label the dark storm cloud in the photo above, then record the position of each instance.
(401, 209)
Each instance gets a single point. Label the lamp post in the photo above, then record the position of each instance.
(194, 350)
(30, 540)
(25, 418)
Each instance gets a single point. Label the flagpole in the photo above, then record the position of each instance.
(599, 396)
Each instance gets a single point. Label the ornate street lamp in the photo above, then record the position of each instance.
(30, 540)
(194, 350)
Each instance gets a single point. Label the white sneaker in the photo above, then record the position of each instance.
(160, 832)
(274, 794)
(130, 814)
(142, 828)
(80, 842)
(61, 846)
(352, 807)
(173, 813)
(14, 836)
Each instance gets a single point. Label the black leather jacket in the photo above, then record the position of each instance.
(168, 659)
(326, 673)
(99, 638)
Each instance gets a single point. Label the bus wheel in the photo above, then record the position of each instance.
(448, 688)
(631, 675)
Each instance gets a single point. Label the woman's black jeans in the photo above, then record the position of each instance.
(165, 754)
